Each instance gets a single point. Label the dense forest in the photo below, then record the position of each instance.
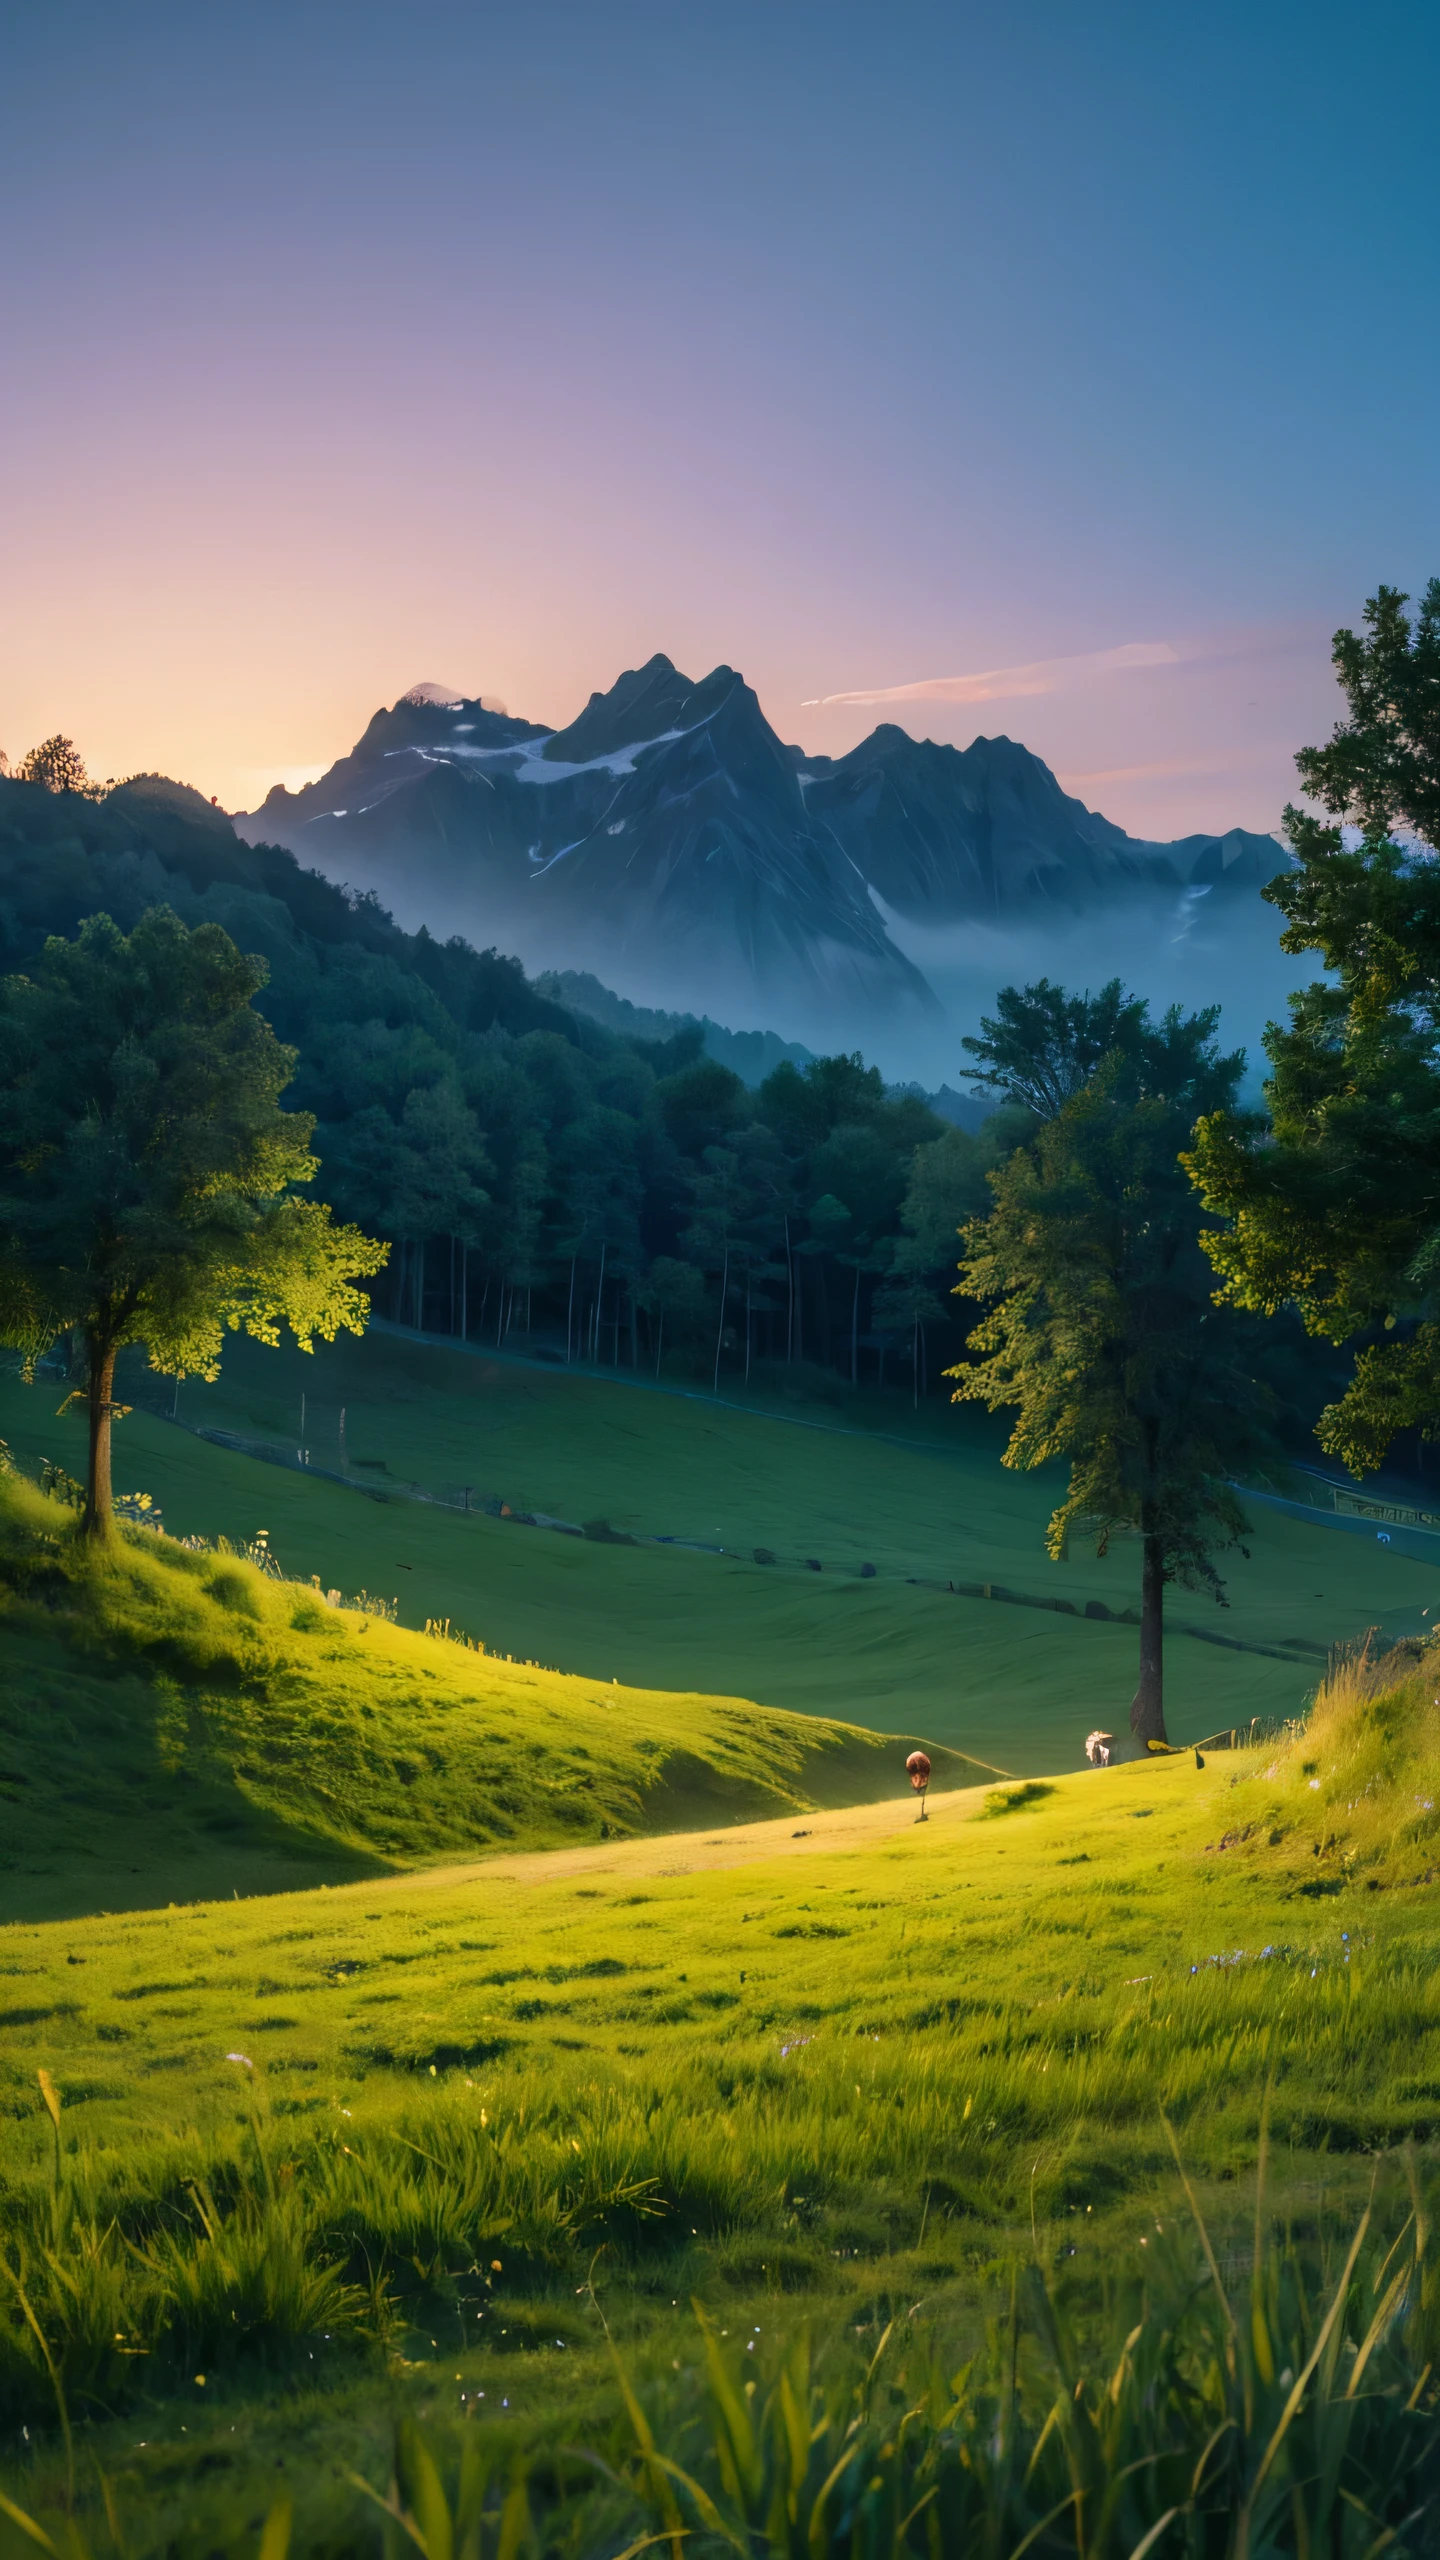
(604, 1197)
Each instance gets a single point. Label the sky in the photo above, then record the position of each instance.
(1069, 369)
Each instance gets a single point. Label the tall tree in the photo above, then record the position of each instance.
(948, 1185)
(146, 1169)
(1102, 1329)
(1334, 1206)
(1041, 1045)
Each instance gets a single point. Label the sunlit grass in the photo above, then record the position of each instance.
(180, 1721)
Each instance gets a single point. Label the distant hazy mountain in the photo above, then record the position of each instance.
(668, 839)
(985, 832)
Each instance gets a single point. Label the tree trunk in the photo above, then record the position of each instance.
(1147, 1710)
(570, 1313)
(660, 1342)
(97, 1519)
(747, 1324)
(790, 1312)
(720, 1328)
(855, 1332)
(419, 1284)
(464, 1293)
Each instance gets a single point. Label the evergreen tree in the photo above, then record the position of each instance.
(146, 1167)
(1102, 1331)
(1334, 1206)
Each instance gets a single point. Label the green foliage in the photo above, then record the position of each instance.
(536, 1174)
(1382, 765)
(1101, 1329)
(1292, 2414)
(1333, 1208)
(1042, 1045)
(146, 1168)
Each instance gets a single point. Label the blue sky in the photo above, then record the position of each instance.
(863, 349)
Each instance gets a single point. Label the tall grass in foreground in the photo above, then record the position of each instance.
(1292, 2413)
(241, 2247)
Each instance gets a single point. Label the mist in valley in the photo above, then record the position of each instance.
(1192, 949)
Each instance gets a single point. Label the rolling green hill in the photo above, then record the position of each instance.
(325, 2159)
(844, 1483)
(177, 1722)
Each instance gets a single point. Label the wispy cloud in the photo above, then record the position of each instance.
(1174, 769)
(1007, 684)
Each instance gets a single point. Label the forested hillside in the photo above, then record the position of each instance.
(609, 1197)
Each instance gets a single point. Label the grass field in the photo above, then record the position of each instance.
(326, 2160)
(1015, 1686)
(178, 1723)
(611, 1992)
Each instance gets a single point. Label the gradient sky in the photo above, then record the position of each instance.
(863, 347)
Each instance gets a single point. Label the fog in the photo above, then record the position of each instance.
(1220, 947)
(1171, 953)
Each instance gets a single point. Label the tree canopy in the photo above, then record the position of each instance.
(146, 1169)
(1334, 1205)
(539, 1176)
(1100, 1326)
(1041, 1045)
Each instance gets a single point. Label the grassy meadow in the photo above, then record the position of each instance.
(181, 1722)
(561, 2092)
(847, 1483)
(404, 2151)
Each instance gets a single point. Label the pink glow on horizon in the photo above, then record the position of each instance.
(343, 346)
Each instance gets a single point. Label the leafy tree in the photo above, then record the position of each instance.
(1382, 765)
(700, 1105)
(948, 1185)
(674, 1294)
(1334, 1206)
(1102, 1330)
(803, 1104)
(146, 1168)
(56, 764)
(1041, 1045)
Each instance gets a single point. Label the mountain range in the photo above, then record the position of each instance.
(669, 839)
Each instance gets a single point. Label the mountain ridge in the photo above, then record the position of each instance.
(670, 837)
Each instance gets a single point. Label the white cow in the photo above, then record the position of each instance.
(1098, 1747)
